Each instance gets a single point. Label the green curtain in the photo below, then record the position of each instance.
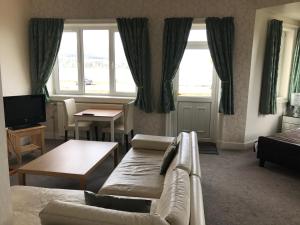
(295, 73)
(268, 96)
(44, 41)
(135, 38)
(220, 38)
(175, 37)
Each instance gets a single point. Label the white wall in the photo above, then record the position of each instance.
(14, 58)
(261, 125)
(15, 80)
(5, 201)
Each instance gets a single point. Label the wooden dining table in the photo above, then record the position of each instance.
(97, 115)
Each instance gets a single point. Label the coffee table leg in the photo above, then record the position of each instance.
(112, 131)
(82, 182)
(116, 156)
(22, 179)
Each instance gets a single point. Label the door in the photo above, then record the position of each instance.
(196, 87)
(195, 116)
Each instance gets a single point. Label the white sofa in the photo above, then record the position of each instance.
(176, 197)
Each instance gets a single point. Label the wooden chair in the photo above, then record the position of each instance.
(70, 110)
(125, 126)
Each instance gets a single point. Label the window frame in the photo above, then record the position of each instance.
(79, 27)
(195, 45)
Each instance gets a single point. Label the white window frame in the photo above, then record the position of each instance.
(78, 28)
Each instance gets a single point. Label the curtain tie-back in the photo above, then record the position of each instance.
(224, 82)
(141, 87)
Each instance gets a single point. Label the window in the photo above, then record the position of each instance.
(195, 74)
(285, 61)
(91, 60)
(67, 62)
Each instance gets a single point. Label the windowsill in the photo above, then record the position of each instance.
(93, 98)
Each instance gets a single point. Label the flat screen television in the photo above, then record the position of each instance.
(24, 111)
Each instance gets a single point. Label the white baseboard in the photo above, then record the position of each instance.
(235, 145)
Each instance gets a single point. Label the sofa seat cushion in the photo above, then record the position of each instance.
(137, 175)
(27, 201)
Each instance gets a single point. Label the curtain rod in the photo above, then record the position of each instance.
(113, 20)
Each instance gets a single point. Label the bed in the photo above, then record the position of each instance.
(282, 148)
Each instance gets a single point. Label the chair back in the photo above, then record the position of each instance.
(70, 110)
(128, 117)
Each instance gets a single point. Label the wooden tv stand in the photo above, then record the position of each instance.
(37, 136)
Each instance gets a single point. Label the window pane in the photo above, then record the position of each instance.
(96, 61)
(197, 35)
(196, 73)
(67, 62)
(124, 80)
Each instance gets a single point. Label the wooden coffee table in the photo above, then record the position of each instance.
(73, 159)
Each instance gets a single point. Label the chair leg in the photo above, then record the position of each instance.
(88, 135)
(132, 133)
(126, 142)
(66, 135)
(103, 136)
(96, 133)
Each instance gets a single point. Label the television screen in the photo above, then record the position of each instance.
(25, 110)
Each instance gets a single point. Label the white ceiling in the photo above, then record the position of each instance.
(291, 11)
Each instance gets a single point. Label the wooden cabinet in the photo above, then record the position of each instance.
(195, 116)
(36, 135)
(289, 123)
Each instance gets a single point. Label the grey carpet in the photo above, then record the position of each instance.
(239, 192)
(236, 190)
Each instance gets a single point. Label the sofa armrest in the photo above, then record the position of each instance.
(141, 141)
(197, 208)
(65, 213)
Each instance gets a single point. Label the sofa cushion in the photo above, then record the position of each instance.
(168, 157)
(141, 141)
(28, 201)
(64, 213)
(174, 204)
(184, 159)
(137, 175)
(117, 203)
